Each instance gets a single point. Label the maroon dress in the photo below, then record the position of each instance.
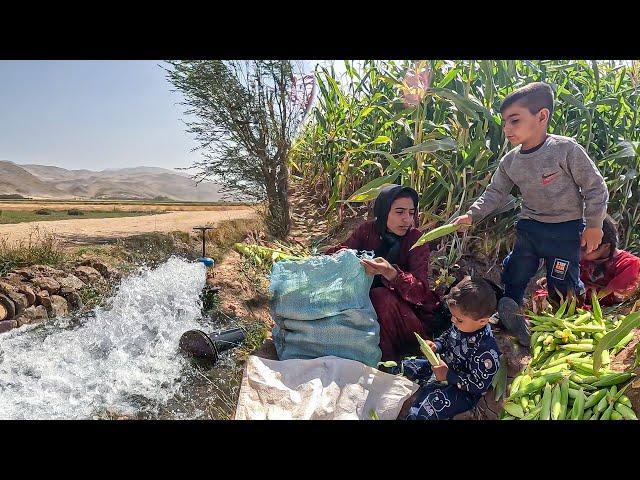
(405, 305)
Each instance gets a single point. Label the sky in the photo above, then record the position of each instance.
(92, 115)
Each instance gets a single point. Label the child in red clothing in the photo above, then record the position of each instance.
(606, 269)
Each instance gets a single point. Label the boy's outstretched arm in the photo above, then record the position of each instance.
(595, 194)
(492, 198)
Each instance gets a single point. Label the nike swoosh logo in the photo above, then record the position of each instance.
(546, 179)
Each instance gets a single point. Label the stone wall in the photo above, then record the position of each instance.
(36, 293)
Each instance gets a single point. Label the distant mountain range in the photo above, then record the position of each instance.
(140, 183)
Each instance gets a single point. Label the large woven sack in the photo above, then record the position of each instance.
(321, 306)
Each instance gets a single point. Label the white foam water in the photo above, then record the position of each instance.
(124, 358)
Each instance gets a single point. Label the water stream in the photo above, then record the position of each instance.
(123, 358)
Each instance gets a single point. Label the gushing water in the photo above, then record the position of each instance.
(125, 357)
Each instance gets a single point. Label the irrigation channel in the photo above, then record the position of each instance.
(121, 360)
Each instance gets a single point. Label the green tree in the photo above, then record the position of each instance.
(244, 115)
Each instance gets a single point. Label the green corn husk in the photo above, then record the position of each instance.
(563, 307)
(612, 379)
(426, 350)
(597, 311)
(436, 233)
(514, 409)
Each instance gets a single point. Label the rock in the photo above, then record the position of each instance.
(45, 283)
(28, 292)
(8, 307)
(32, 315)
(14, 287)
(41, 295)
(25, 273)
(47, 271)
(70, 283)
(88, 274)
(38, 271)
(19, 300)
(44, 299)
(6, 325)
(40, 313)
(14, 278)
(73, 300)
(7, 287)
(107, 271)
(59, 306)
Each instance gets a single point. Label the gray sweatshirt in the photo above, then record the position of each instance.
(558, 182)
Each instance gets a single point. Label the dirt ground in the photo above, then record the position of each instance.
(87, 231)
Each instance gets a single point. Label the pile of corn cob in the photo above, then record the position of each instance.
(560, 382)
(263, 256)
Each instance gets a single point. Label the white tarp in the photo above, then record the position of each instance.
(324, 388)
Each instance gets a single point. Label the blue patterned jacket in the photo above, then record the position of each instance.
(472, 358)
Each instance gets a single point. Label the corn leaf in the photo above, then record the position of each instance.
(572, 306)
(381, 139)
(499, 381)
(372, 189)
(636, 360)
(444, 144)
(613, 337)
(562, 308)
(388, 364)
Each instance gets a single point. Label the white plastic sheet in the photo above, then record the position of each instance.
(324, 388)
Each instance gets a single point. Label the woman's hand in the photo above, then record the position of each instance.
(379, 266)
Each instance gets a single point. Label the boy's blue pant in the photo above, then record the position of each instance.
(435, 401)
(558, 244)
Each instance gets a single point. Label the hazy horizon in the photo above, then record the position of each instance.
(92, 115)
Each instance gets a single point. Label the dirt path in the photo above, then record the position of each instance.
(84, 230)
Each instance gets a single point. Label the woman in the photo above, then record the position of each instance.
(606, 270)
(400, 291)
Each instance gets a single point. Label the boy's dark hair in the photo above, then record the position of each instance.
(534, 96)
(474, 296)
(610, 234)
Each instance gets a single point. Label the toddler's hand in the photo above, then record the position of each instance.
(440, 371)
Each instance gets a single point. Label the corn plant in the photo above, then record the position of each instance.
(435, 125)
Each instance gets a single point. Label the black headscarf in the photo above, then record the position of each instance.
(389, 249)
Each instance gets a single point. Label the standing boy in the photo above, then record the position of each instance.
(564, 203)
